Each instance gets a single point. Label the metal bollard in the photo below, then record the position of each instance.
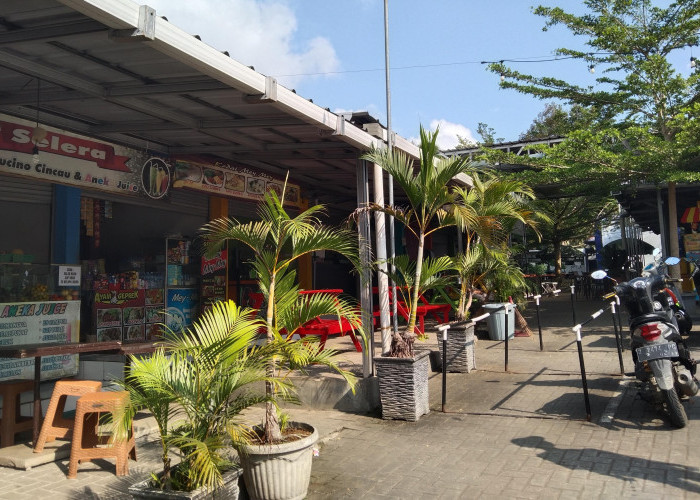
(444, 329)
(539, 323)
(577, 329)
(618, 342)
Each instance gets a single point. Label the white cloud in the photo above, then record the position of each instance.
(447, 136)
(256, 33)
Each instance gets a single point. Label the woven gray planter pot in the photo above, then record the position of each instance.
(403, 386)
(229, 490)
(279, 471)
(460, 349)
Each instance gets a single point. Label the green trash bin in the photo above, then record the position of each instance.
(496, 322)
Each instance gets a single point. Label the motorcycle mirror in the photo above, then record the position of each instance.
(599, 274)
(648, 267)
(672, 261)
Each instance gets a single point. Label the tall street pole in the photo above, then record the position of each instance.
(390, 146)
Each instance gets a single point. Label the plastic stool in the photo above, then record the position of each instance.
(11, 422)
(55, 426)
(86, 440)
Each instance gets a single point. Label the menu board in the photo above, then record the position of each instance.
(233, 181)
(39, 323)
(120, 315)
(155, 312)
(214, 279)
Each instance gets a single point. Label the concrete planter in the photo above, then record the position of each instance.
(279, 471)
(230, 490)
(403, 386)
(460, 348)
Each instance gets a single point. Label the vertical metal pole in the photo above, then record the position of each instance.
(382, 279)
(617, 339)
(619, 322)
(444, 368)
(662, 223)
(506, 321)
(365, 244)
(539, 323)
(583, 372)
(573, 305)
(36, 415)
(390, 146)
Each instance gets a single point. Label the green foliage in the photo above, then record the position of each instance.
(555, 121)
(573, 220)
(433, 274)
(429, 194)
(488, 210)
(641, 114)
(505, 280)
(196, 386)
(487, 134)
(277, 240)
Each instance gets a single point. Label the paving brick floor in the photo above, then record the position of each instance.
(516, 434)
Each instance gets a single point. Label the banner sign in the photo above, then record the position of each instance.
(214, 279)
(235, 182)
(71, 159)
(39, 323)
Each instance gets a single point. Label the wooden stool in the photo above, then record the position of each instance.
(55, 426)
(11, 422)
(85, 438)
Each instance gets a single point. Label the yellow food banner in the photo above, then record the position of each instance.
(235, 182)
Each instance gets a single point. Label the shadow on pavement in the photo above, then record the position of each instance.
(617, 465)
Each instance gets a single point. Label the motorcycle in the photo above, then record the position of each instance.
(670, 292)
(662, 361)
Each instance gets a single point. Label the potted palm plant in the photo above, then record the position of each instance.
(195, 386)
(471, 268)
(277, 462)
(506, 285)
(403, 374)
(487, 212)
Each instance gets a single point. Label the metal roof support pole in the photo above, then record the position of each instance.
(365, 246)
(673, 246)
(662, 222)
(623, 239)
(382, 278)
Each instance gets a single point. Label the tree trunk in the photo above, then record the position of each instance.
(402, 343)
(273, 434)
(557, 258)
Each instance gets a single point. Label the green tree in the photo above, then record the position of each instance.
(277, 241)
(640, 105)
(572, 220)
(430, 194)
(556, 121)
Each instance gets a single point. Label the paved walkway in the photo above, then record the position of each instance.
(521, 434)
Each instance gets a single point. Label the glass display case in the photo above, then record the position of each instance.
(30, 282)
(182, 283)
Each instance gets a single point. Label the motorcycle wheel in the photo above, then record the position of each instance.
(675, 410)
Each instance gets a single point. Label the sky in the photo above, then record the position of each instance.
(333, 52)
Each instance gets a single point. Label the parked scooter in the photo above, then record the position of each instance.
(671, 293)
(662, 361)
